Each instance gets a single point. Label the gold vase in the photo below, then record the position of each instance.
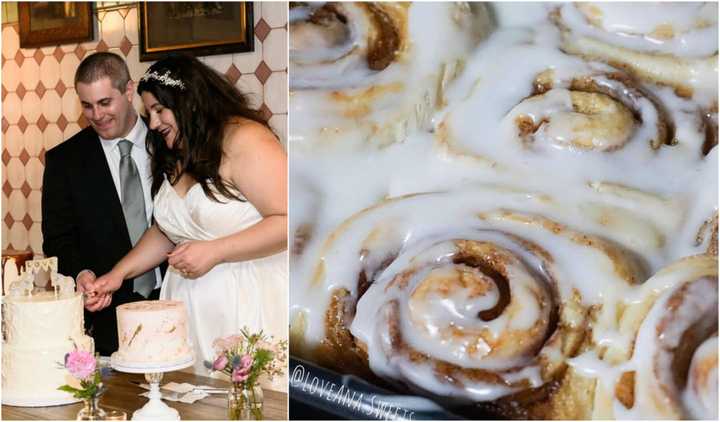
(91, 410)
(245, 402)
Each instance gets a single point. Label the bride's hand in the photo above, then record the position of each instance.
(195, 258)
(98, 302)
(108, 283)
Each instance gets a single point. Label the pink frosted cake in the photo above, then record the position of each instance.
(153, 333)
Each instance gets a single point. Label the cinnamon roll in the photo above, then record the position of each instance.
(371, 72)
(600, 122)
(482, 295)
(673, 44)
(671, 367)
(670, 44)
(701, 391)
(560, 120)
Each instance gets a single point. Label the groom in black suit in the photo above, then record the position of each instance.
(83, 216)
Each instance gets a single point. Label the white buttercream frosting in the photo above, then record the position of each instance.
(39, 331)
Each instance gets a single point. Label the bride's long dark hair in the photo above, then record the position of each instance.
(203, 103)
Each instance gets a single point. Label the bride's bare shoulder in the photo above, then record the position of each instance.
(242, 134)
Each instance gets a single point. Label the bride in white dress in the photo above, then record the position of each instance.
(220, 208)
(246, 287)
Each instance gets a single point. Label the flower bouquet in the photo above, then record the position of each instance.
(84, 367)
(246, 357)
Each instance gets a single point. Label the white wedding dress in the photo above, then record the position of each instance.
(230, 296)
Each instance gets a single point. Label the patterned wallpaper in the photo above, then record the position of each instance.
(40, 108)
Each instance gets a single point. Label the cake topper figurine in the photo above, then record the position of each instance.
(23, 286)
(25, 282)
(64, 284)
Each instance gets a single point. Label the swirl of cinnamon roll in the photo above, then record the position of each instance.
(371, 72)
(673, 44)
(671, 366)
(569, 105)
(701, 392)
(600, 112)
(481, 295)
(600, 122)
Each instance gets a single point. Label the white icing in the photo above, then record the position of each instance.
(39, 331)
(650, 358)
(670, 43)
(701, 393)
(694, 26)
(332, 91)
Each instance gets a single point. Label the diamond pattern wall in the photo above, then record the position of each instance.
(41, 108)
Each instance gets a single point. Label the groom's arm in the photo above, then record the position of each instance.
(59, 225)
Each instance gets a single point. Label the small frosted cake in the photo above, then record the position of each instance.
(39, 330)
(153, 333)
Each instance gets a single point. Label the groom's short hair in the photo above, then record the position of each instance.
(101, 65)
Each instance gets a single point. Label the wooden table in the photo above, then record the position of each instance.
(123, 395)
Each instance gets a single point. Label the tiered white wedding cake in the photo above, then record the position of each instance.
(39, 328)
(152, 333)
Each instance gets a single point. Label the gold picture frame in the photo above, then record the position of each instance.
(197, 28)
(52, 23)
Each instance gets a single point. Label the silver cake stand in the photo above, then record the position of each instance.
(155, 409)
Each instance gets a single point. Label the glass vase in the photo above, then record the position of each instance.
(245, 402)
(91, 410)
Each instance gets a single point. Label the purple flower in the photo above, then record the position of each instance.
(220, 362)
(235, 362)
(80, 363)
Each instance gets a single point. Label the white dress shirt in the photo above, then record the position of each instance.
(142, 162)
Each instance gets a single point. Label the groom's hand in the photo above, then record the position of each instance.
(87, 284)
(85, 281)
(103, 288)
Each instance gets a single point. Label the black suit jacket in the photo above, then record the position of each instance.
(83, 224)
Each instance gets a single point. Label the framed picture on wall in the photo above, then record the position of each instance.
(45, 23)
(197, 28)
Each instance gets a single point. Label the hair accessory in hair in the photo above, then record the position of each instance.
(164, 79)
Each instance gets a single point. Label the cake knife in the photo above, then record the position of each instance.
(205, 389)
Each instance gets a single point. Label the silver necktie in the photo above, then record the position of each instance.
(133, 205)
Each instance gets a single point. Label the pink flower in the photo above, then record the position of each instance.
(234, 341)
(239, 376)
(80, 363)
(242, 371)
(220, 345)
(246, 362)
(220, 362)
(223, 344)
